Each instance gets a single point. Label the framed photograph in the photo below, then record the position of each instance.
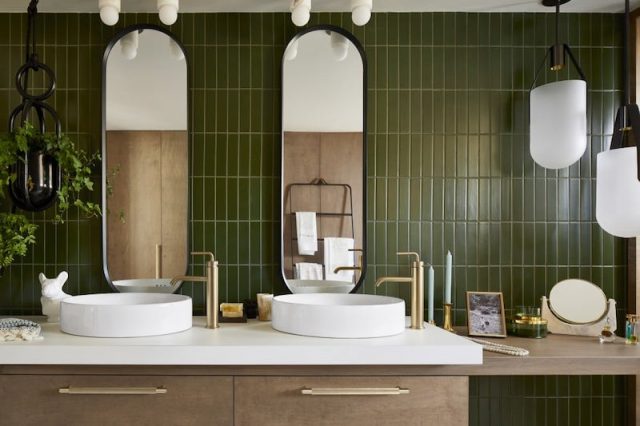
(485, 314)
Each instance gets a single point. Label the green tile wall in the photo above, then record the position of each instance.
(448, 167)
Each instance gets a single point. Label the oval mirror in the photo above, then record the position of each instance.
(577, 301)
(145, 160)
(323, 162)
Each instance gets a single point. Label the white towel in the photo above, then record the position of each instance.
(307, 233)
(308, 271)
(336, 253)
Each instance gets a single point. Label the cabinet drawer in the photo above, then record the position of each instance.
(115, 400)
(351, 401)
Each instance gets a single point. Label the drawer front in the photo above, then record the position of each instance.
(115, 400)
(351, 401)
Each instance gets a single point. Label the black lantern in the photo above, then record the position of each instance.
(37, 175)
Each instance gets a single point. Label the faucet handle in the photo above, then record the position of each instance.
(410, 253)
(204, 253)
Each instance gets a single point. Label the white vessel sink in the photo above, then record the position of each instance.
(125, 314)
(319, 286)
(145, 285)
(338, 315)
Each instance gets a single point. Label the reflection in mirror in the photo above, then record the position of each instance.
(145, 160)
(323, 170)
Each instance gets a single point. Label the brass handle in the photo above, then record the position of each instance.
(72, 390)
(354, 391)
(204, 253)
(410, 253)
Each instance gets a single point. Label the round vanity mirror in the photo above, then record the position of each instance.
(577, 301)
(323, 161)
(145, 152)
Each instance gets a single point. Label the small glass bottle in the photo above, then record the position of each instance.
(631, 330)
(607, 336)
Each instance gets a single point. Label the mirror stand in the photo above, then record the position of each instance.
(557, 326)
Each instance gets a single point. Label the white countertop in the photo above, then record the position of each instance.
(252, 343)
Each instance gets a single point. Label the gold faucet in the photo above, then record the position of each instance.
(211, 279)
(351, 268)
(417, 289)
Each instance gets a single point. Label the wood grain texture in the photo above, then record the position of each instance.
(432, 400)
(189, 401)
(151, 190)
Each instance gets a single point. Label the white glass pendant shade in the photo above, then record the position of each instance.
(339, 46)
(129, 45)
(300, 12)
(168, 11)
(361, 11)
(618, 192)
(109, 11)
(558, 123)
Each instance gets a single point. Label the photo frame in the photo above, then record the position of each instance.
(485, 314)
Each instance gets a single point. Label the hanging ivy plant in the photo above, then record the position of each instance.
(75, 164)
(16, 235)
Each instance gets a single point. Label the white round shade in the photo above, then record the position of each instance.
(618, 192)
(558, 123)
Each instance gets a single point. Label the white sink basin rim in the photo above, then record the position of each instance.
(125, 314)
(338, 315)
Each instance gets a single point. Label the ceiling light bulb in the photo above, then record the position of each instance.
(361, 11)
(300, 12)
(340, 46)
(109, 10)
(168, 11)
(129, 45)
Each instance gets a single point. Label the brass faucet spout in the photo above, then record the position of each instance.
(383, 280)
(211, 280)
(417, 289)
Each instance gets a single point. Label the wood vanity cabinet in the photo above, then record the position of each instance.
(268, 401)
(27, 400)
(243, 400)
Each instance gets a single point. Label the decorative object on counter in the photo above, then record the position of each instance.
(15, 329)
(232, 312)
(250, 308)
(448, 318)
(430, 300)
(447, 278)
(417, 288)
(499, 348)
(558, 117)
(485, 314)
(264, 306)
(618, 169)
(631, 330)
(607, 336)
(527, 322)
(211, 281)
(52, 295)
(578, 307)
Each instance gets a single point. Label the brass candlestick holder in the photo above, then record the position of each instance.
(447, 318)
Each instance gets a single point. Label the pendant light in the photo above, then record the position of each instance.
(361, 11)
(109, 11)
(618, 169)
(558, 110)
(300, 12)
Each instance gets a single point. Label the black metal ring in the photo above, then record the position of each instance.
(21, 74)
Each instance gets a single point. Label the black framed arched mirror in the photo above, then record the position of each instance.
(145, 153)
(323, 194)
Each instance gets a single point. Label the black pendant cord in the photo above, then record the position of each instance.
(628, 115)
(557, 53)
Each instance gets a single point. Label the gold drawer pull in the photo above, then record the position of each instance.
(72, 390)
(355, 391)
